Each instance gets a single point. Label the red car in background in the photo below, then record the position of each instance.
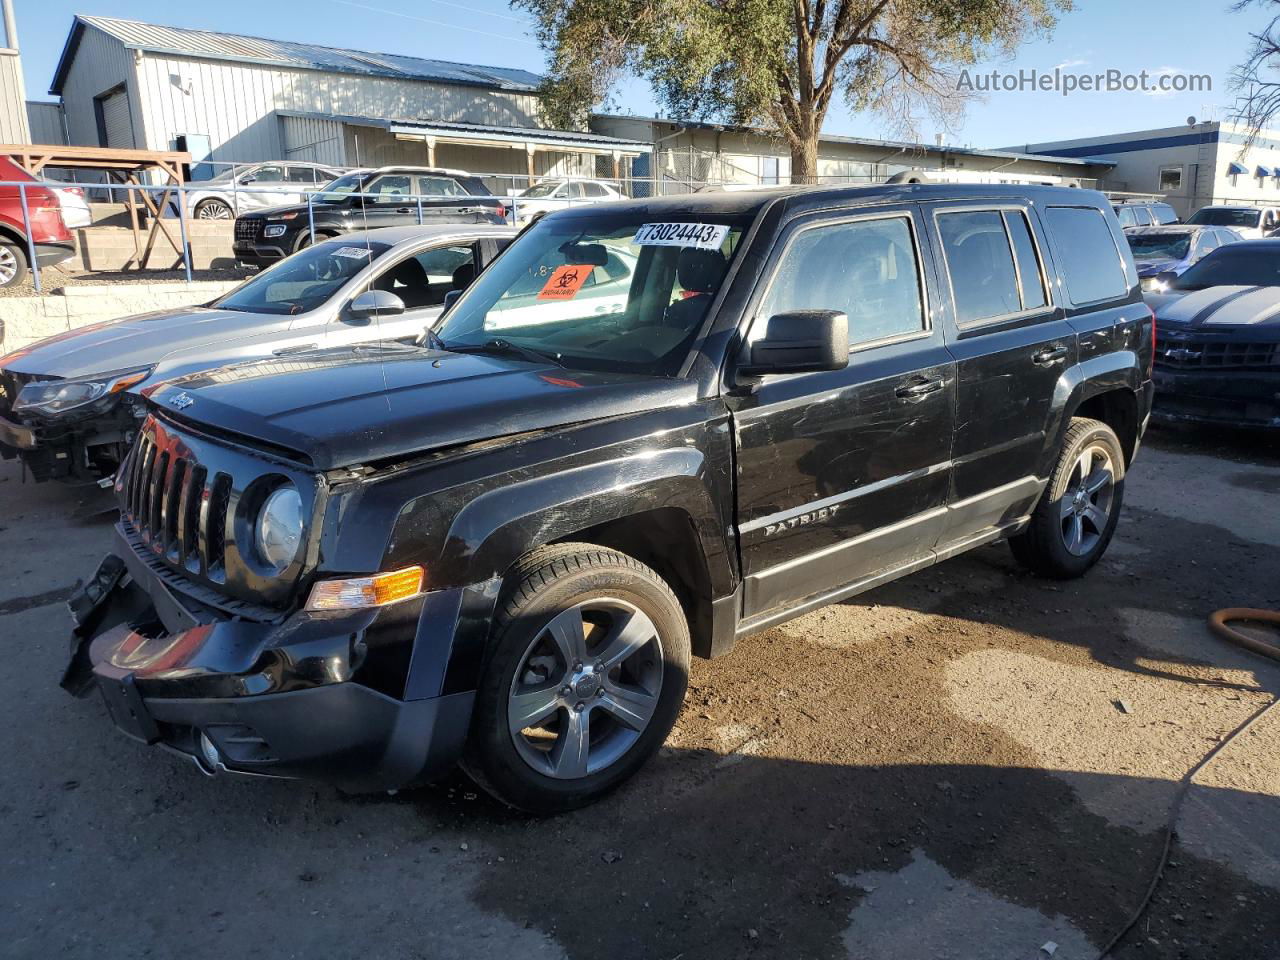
(53, 241)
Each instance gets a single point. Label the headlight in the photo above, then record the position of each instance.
(274, 230)
(56, 397)
(279, 530)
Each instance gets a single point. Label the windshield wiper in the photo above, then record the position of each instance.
(500, 346)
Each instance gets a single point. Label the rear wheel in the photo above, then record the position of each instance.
(13, 264)
(304, 239)
(1077, 514)
(583, 681)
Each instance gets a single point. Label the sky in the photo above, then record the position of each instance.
(1164, 36)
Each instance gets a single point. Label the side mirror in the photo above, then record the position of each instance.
(800, 341)
(1166, 277)
(247, 179)
(450, 299)
(375, 303)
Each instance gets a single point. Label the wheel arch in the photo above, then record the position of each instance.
(1118, 409)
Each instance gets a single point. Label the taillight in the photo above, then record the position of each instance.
(502, 210)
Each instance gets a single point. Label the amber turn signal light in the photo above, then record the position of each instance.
(360, 593)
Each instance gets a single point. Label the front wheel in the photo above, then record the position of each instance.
(585, 675)
(213, 210)
(1077, 514)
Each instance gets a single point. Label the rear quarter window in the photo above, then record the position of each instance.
(1092, 266)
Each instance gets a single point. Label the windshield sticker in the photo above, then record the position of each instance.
(354, 253)
(703, 236)
(564, 282)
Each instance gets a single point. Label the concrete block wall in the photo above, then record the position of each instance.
(111, 248)
(27, 320)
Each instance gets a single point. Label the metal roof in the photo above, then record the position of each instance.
(482, 133)
(206, 44)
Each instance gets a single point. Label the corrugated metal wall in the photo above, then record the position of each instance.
(45, 120)
(13, 100)
(101, 64)
(313, 140)
(235, 103)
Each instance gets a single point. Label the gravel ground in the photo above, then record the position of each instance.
(52, 279)
(970, 763)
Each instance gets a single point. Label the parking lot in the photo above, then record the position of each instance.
(970, 763)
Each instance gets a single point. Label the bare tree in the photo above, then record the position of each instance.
(1256, 81)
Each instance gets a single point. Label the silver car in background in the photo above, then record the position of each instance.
(255, 187)
(70, 405)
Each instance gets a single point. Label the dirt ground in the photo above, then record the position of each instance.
(52, 280)
(970, 763)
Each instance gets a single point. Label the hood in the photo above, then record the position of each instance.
(136, 341)
(346, 406)
(266, 213)
(1215, 307)
(1149, 268)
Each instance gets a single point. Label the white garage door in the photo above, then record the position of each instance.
(115, 120)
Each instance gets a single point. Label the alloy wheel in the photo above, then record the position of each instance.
(586, 688)
(1085, 507)
(8, 266)
(213, 211)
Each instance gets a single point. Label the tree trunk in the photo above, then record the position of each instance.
(804, 159)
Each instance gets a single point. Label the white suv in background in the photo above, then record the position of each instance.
(556, 194)
(1252, 223)
(255, 187)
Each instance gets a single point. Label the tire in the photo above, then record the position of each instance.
(304, 239)
(213, 210)
(1077, 514)
(13, 264)
(531, 673)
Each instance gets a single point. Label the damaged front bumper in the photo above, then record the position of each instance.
(274, 698)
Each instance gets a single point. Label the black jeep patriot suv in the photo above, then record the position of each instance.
(648, 429)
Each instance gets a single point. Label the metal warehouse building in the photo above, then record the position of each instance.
(234, 98)
(1192, 166)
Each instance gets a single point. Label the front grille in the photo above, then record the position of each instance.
(1215, 354)
(177, 509)
(248, 229)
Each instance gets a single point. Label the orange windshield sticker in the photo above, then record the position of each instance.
(564, 282)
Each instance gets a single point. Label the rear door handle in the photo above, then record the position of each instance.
(1052, 355)
(919, 388)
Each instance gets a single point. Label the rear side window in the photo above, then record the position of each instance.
(1143, 216)
(984, 281)
(1091, 264)
(1030, 277)
(1127, 219)
(865, 268)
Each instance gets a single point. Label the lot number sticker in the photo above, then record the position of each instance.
(704, 236)
(353, 253)
(564, 282)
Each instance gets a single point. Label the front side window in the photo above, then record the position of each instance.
(1091, 263)
(423, 279)
(545, 189)
(269, 173)
(304, 281)
(984, 281)
(340, 190)
(391, 188)
(600, 291)
(866, 269)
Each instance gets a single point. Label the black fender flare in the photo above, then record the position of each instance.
(1105, 373)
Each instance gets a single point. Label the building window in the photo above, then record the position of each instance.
(768, 170)
(1170, 179)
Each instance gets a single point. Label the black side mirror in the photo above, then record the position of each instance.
(800, 341)
(451, 298)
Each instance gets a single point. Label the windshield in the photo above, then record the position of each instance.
(1208, 216)
(304, 281)
(600, 292)
(1232, 266)
(1160, 246)
(542, 189)
(338, 190)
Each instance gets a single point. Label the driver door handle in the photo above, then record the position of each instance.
(916, 389)
(1049, 356)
